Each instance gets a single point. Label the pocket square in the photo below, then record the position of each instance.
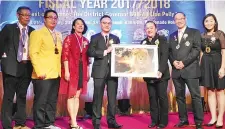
(4, 55)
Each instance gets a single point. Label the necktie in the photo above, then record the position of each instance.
(21, 45)
(180, 34)
(106, 40)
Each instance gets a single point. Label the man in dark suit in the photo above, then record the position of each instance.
(184, 57)
(16, 68)
(100, 49)
(157, 87)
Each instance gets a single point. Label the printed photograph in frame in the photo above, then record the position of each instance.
(134, 60)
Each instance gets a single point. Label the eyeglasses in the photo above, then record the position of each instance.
(56, 50)
(109, 23)
(176, 19)
(24, 15)
(52, 18)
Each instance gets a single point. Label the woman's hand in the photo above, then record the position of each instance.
(67, 76)
(221, 73)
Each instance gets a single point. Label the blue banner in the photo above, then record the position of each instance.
(128, 16)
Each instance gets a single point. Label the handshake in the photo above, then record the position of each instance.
(178, 64)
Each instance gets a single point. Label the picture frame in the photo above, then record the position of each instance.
(134, 60)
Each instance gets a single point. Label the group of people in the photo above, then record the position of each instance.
(196, 60)
(61, 67)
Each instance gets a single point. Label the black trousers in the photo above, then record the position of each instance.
(158, 101)
(12, 85)
(45, 100)
(193, 86)
(99, 86)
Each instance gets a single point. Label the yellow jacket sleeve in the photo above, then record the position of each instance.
(34, 50)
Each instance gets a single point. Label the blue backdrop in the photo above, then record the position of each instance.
(128, 16)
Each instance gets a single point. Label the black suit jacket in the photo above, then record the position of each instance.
(9, 43)
(163, 54)
(188, 53)
(96, 50)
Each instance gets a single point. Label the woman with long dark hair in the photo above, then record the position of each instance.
(74, 68)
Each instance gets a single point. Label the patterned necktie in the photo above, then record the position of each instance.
(21, 45)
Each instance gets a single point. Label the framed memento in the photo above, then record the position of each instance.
(134, 60)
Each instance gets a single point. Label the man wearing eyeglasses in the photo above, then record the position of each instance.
(184, 52)
(100, 48)
(45, 54)
(16, 68)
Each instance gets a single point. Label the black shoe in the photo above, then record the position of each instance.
(152, 125)
(97, 126)
(209, 125)
(182, 124)
(219, 127)
(124, 113)
(199, 126)
(114, 126)
(161, 126)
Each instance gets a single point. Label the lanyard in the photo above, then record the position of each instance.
(53, 37)
(80, 44)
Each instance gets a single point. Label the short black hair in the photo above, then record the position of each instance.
(216, 22)
(49, 11)
(179, 13)
(151, 22)
(85, 26)
(21, 8)
(105, 16)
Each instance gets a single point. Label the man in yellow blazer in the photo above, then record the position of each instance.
(45, 54)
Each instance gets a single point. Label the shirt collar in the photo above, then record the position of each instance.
(51, 31)
(21, 26)
(182, 30)
(104, 34)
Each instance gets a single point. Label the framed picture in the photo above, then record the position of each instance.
(134, 60)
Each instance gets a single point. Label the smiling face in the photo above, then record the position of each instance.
(79, 26)
(180, 20)
(150, 29)
(210, 23)
(51, 20)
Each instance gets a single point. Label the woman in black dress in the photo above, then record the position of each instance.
(213, 66)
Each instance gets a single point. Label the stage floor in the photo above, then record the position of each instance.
(134, 121)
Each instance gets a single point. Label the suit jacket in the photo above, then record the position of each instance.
(9, 43)
(42, 54)
(96, 50)
(188, 53)
(163, 55)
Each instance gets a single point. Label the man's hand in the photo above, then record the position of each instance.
(180, 65)
(159, 74)
(109, 49)
(42, 77)
(176, 64)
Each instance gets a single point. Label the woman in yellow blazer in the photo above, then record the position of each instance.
(45, 54)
